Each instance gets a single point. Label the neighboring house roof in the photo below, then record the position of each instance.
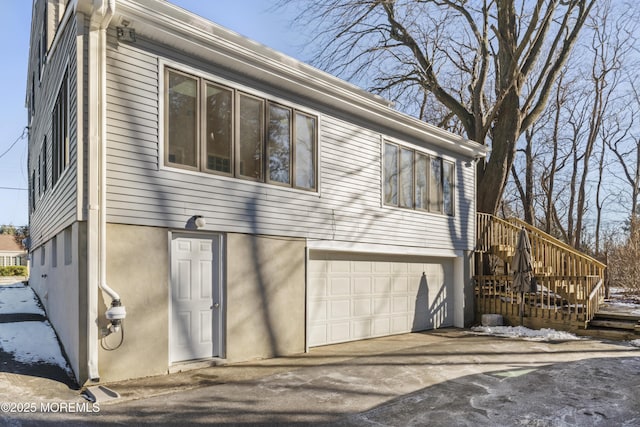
(9, 244)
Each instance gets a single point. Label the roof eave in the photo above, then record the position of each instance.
(171, 25)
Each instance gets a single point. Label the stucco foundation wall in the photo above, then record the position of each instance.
(265, 295)
(469, 290)
(138, 269)
(55, 278)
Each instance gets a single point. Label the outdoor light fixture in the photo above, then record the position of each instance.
(126, 34)
(199, 221)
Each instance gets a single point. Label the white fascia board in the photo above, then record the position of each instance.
(172, 26)
(370, 248)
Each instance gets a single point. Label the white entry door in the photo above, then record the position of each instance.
(196, 297)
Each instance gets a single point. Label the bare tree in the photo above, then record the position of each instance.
(624, 268)
(586, 113)
(626, 149)
(487, 67)
(556, 163)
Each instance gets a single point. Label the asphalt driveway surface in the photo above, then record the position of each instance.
(440, 378)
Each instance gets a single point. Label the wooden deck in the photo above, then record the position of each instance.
(569, 284)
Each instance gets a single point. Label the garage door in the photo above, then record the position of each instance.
(358, 296)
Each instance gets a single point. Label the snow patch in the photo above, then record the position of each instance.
(32, 342)
(635, 343)
(18, 299)
(526, 333)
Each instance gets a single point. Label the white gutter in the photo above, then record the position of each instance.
(101, 12)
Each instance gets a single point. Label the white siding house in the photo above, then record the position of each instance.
(237, 202)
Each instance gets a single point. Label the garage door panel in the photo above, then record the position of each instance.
(357, 296)
(362, 267)
(382, 267)
(340, 331)
(399, 324)
(362, 307)
(381, 326)
(416, 268)
(400, 304)
(318, 267)
(399, 267)
(382, 285)
(318, 288)
(362, 285)
(361, 329)
(339, 286)
(400, 283)
(381, 306)
(339, 309)
(318, 334)
(340, 266)
(318, 310)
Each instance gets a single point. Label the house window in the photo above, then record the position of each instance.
(240, 135)
(422, 182)
(54, 252)
(43, 177)
(448, 187)
(250, 137)
(279, 144)
(60, 133)
(304, 148)
(68, 246)
(415, 180)
(39, 183)
(406, 178)
(391, 174)
(33, 95)
(182, 123)
(33, 190)
(435, 185)
(218, 128)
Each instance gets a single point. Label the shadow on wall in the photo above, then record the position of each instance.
(268, 268)
(430, 315)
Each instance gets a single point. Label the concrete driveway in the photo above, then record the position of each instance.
(440, 378)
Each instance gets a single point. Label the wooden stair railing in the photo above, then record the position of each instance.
(572, 281)
(583, 263)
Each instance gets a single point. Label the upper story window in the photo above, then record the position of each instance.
(43, 155)
(32, 98)
(60, 133)
(43, 42)
(213, 128)
(33, 190)
(416, 180)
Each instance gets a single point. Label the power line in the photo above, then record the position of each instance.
(14, 188)
(22, 135)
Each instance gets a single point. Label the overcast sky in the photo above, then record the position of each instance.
(252, 18)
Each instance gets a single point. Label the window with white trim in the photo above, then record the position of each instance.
(60, 133)
(415, 180)
(212, 128)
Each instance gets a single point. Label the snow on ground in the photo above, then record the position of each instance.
(31, 342)
(28, 342)
(526, 333)
(18, 299)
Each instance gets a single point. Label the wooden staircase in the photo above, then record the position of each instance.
(569, 283)
(614, 323)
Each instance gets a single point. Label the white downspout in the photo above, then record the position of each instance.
(101, 14)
